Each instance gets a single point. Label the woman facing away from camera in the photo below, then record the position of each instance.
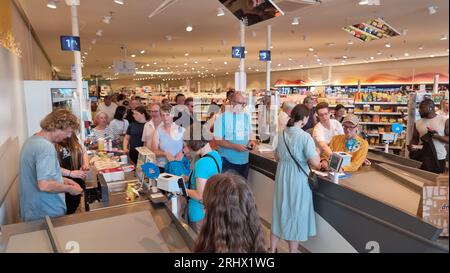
(232, 224)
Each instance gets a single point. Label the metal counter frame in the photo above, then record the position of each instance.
(362, 221)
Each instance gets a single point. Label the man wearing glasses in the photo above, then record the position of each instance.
(326, 129)
(349, 143)
(232, 131)
(150, 126)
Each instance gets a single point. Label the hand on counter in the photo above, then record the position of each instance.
(324, 165)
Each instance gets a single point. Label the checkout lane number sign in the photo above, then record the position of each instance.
(70, 43)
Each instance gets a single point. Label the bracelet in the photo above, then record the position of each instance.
(70, 173)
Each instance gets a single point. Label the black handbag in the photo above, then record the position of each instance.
(313, 180)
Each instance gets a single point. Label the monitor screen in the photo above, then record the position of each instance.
(238, 52)
(252, 11)
(70, 43)
(335, 162)
(264, 55)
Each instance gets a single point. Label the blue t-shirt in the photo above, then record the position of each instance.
(235, 128)
(39, 161)
(204, 168)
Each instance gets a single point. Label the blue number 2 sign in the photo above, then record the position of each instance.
(238, 52)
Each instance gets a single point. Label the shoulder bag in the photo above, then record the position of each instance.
(313, 180)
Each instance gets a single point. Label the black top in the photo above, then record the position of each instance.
(310, 124)
(130, 117)
(135, 131)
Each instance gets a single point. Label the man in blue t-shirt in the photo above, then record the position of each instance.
(232, 131)
(41, 185)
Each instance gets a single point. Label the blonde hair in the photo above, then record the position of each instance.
(60, 119)
(98, 115)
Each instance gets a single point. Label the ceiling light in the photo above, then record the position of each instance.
(432, 56)
(186, 54)
(94, 41)
(142, 51)
(388, 45)
(344, 57)
(290, 59)
(225, 62)
(133, 56)
(406, 54)
(148, 65)
(372, 58)
(379, 53)
(444, 37)
(189, 28)
(185, 64)
(52, 4)
(369, 2)
(420, 47)
(220, 12)
(318, 60)
(295, 21)
(311, 49)
(120, 2)
(279, 64)
(195, 62)
(99, 33)
(107, 19)
(432, 10)
(363, 2)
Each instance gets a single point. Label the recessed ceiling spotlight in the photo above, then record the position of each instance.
(94, 41)
(388, 45)
(279, 64)
(225, 62)
(52, 4)
(311, 49)
(209, 60)
(290, 59)
(406, 54)
(318, 60)
(185, 64)
(186, 54)
(295, 21)
(189, 28)
(155, 63)
(142, 51)
(432, 56)
(420, 47)
(220, 12)
(444, 37)
(120, 2)
(195, 62)
(148, 65)
(350, 42)
(372, 58)
(133, 56)
(344, 57)
(99, 33)
(331, 44)
(432, 10)
(379, 53)
(107, 19)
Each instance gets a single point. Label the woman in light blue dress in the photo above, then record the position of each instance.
(293, 217)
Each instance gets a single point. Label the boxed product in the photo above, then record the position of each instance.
(435, 204)
(114, 174)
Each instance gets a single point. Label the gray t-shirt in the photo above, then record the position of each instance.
(38, 161)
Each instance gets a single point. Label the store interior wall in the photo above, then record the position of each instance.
(404, 71)
(31, 64)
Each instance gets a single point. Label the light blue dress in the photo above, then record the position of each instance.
(293, 217)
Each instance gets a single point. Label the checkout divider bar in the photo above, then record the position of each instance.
(52, 236)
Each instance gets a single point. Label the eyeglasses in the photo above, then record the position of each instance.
(238, 103)
(154, 111)
(349, 127)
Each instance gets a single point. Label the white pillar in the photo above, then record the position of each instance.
(268, 63)
(77, 59)
(242, 81)
(436, 83)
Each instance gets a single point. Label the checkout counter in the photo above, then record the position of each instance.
(373, 210)
(111, 223)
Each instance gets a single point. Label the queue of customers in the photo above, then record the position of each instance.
(220, 207)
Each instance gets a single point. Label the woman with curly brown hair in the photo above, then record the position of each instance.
(232, 223)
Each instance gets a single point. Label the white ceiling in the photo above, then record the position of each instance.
(210, 42)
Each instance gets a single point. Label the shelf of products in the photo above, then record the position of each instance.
(379, 113)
